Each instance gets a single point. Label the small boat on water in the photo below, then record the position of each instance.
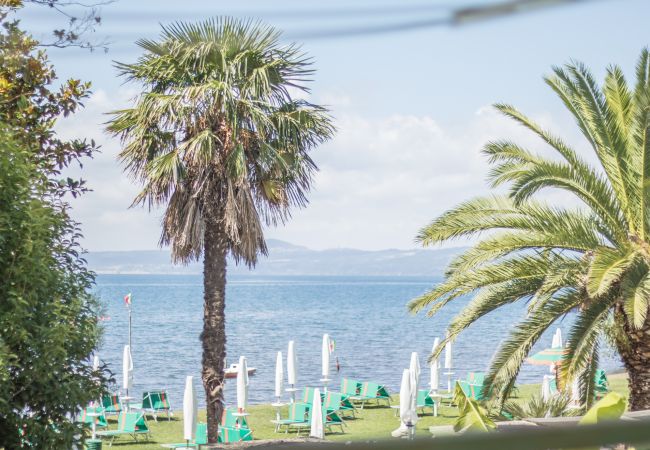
(231, 372)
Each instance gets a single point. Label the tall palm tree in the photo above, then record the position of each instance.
(217, 138)
(592, 259)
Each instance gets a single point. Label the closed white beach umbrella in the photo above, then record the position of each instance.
(325, 359)
(404, 404)
(127, 368)
(448, 355)
(292, 363)
(405, 397)
(96, 362)
(414, 372)
(279, 375)
(316, 429)
(557, 339)
(242, 384)
(414, 367)
(190, 410)
(546, 388)
(434, 381)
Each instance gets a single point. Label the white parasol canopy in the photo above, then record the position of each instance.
(316, 430)
(434, 366)
(292, 363)
(279, 375)
(557, 339)
(190, 410)
(407, 413)
(242, 384)
(127, 368)
(414, 367)
(96, 362)
(448, 355)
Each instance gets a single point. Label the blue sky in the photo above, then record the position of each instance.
(412, 108)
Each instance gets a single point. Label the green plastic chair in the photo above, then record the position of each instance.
(111, 404)
(230, 435)
(201, 438)
(131, 424)
(350, 387)
(156, 402)
(229, 420)
(100, 420)
(336, 401)
(425, 400)
(297, 417)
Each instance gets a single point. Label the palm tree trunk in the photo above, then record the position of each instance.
(635, 353)
(213, 338)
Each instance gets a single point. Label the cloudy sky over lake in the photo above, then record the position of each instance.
(412, 107)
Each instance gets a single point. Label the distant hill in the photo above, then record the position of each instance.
(288, 259)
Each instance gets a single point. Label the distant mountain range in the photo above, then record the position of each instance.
(288, 259)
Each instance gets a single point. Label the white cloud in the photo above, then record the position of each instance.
(380, 179)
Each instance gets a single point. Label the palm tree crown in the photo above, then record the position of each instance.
(217, 137)
(216, 124)
(593, 259)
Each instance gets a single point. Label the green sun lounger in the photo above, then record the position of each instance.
(229, 435)
(111, 404)
(131, 424)
(350, 387)
(297, 417)
(473, 385)
(155, 402)
(425, 400)
(201, 438)
(601, 384)
(371, 391)
(333, 418)
(100, 420)
(336, 401)
(230, 420)
(308, 395)
(330, 419)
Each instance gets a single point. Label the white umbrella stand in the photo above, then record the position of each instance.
(325, 359)
(292, 370)
(190, 411)
(316, 429)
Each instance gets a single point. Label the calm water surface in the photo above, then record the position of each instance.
(367, 317)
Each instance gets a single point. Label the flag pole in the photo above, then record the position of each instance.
(129, 325)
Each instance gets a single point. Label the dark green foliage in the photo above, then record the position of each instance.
(48, 318)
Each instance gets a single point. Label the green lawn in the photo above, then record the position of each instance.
(372, 423)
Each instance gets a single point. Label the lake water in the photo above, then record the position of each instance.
(367, 317)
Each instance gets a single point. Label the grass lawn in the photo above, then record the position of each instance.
(372, 422)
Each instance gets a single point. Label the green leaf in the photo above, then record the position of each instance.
(471, 415)
(607, 267)
(610, 407)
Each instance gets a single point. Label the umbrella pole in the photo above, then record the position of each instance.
(325, 382)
